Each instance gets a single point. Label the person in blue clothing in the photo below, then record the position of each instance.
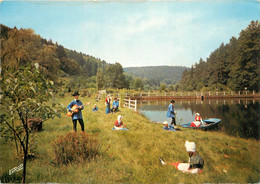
(107, 104)
(168, 127)
(115, 105)
(95, 108)
(77, 116)
(171, 113)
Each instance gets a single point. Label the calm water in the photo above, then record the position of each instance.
(239, 117)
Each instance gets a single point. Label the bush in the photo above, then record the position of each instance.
(76, 147)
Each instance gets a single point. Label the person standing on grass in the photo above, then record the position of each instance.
(107, 103)
(171, 113)
(77, 116)
(195, 164)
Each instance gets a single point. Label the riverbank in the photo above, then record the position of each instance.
(132, 156)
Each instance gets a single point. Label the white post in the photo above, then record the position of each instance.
(129, 103)
(135, 105)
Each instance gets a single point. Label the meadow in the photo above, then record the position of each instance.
(132, 156)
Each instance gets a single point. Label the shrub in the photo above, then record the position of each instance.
(75, 147)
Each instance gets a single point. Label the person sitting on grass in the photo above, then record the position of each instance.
(95, 108)
(115, 105)
(119, 124)
(195, 164)
(168, 127)
(198, 121)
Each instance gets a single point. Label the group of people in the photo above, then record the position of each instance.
(76, 106)
(171, 113)
(115, 105)
(196, 162)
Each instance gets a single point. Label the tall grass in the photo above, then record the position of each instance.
(75, 147)
(132, 156)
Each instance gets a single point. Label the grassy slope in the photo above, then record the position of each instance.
(133, 155)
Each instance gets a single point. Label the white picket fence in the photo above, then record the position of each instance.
(131, 104)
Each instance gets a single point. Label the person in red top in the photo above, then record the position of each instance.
(119, 124)
(197, 122)
(107, 103)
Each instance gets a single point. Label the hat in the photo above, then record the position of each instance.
(119, 117)
(190, 146)
(76, 94)
(172, 101)
(165, 123)
(197, 114)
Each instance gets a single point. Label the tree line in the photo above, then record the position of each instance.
(65, 67)
(232, 66)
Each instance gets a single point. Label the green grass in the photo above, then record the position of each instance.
(132, 156)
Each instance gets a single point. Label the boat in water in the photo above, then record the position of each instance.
(207, 124)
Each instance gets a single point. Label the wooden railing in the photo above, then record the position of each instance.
(131, 104)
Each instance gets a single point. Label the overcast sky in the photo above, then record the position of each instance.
(135, 33)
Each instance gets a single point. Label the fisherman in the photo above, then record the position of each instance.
(195, 164)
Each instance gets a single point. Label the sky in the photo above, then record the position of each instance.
(135, 33)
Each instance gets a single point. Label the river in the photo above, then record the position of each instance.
(239, 117)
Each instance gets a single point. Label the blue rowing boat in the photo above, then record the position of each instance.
(207, 124)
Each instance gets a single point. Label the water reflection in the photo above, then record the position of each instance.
(239, 117)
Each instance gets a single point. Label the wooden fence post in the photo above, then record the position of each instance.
(135, 105)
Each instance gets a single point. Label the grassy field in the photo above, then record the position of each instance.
(132, 156)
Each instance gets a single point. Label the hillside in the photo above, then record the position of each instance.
(232, 66)
(158, 74)
(22, 46)
(132, 156)
(75, 70)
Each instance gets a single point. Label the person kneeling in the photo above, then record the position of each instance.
(195, 164)
(119, 124)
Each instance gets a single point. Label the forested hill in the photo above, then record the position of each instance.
(158, 74)
(234, 65)
(22, 47)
